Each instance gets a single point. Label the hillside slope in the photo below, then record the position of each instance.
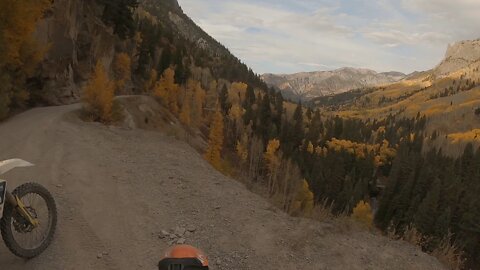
(448, 95)
(118, 188)
(308, 85)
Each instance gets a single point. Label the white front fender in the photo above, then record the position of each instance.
(10, 164)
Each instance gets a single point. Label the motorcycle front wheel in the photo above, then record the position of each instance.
(21, 238)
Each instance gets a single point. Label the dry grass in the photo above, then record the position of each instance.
(323, 211)
(413, 236)
(449, 254)
(446, 252)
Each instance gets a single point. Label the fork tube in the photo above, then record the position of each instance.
(10, 199)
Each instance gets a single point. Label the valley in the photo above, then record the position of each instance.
(150, 133)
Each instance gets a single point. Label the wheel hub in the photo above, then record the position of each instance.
(21, 224)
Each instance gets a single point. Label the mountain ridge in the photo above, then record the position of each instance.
(308, 85)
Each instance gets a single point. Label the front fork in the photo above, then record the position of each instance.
(11, 199)
(18, 204)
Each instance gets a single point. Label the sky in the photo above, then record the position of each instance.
(288, 36)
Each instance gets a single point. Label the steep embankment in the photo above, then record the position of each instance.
(118, 188)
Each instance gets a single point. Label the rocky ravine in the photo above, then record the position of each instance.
(124, 195)
(308, 85)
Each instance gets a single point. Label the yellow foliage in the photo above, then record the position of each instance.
(237, 92)
(122, 70)
(19, 51)
(270, 154)
(242, 150)
(310, 148)
(469, 136)
(363, 213)
(412, 137)
(18, 23)
(168, 90)
(303, 202)
(236, 112)
(98, 95)
(382, 152)
(215, 142)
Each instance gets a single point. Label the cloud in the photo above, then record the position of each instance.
(284, 36)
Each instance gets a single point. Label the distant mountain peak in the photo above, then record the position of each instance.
(459, 55)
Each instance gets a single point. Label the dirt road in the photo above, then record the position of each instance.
(117, 189)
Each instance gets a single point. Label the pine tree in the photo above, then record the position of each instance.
(316, 128)
(265, 117)
(119, 14)
(426, 215)
(225, 104)
(165, 60)
(298, 129)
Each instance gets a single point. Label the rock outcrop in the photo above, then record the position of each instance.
(459, 55)
(75, 38)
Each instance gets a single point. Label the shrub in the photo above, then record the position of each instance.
(98, 96)
(363, 213)
(302, 205)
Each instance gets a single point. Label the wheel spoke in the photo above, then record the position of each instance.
(28, 237)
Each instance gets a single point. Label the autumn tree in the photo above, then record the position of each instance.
(215, 141)
(98, 95)
(310, 148)
(166, 89)
(122, 70)
(272, 161)
(19, 52)
(193, 103)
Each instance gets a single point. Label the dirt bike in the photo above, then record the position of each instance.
(28, 215)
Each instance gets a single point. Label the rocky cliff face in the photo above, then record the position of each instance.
(459, 55)
(76, 38)
(309, 85)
